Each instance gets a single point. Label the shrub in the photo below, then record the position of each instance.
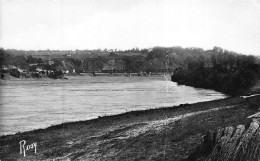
(15, 73)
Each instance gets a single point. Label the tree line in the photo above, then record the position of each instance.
(221, 70)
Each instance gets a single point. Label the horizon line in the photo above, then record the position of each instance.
(127, 49)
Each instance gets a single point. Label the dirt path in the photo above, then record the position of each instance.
(123, 133)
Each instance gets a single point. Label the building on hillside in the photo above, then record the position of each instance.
(33, 64)
(4, 67)
(51, 62)
(49, 72)
(38, 69)
(21, 70)
(11, 67)
(66, 71)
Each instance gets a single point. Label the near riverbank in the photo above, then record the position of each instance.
(157, 134)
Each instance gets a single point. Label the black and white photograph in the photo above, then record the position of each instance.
(130, 80)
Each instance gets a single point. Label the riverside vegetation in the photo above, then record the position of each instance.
(222, 71)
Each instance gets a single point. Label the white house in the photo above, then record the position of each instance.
(66, 71)
(39, 69)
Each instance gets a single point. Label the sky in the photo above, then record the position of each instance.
(125, 24)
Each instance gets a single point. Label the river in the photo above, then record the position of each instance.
(32, 104)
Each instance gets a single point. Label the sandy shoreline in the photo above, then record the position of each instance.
(157, 134)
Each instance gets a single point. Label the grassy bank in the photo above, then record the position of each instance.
(157, 134)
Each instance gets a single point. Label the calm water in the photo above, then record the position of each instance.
(32, 104)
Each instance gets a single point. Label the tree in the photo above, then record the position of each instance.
(15, 73)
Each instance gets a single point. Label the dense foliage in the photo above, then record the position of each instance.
(15, 73)
(223, 71)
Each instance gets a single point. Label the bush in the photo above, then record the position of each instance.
(36, 75)
(15, 73)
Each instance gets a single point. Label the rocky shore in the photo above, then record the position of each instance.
(171, 133)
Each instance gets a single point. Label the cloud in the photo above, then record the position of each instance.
(256, 3)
